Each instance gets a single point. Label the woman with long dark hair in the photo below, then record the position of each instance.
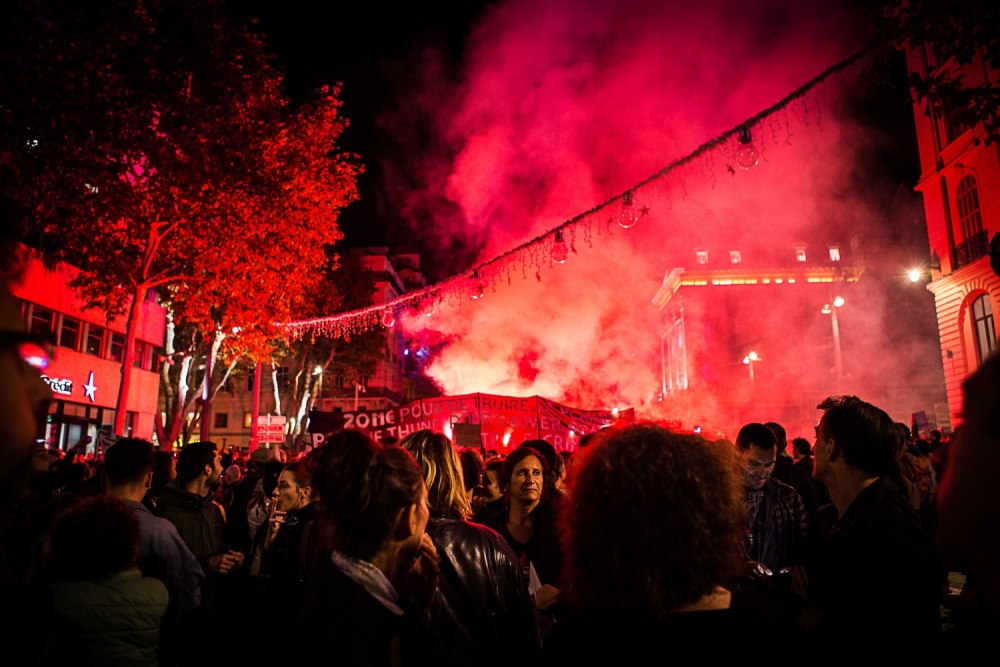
(368, 598)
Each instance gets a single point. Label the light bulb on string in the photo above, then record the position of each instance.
(560, 253)
(628, 215)
(388, 319)
(746, 155)
(477, 292)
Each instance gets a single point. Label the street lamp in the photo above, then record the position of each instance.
(914, 275)
(750, 360)
(838, 358)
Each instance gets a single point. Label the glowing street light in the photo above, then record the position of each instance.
(838, 357)
(914, 275)
(749, 360)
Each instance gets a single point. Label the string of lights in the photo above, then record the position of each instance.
(735, 147)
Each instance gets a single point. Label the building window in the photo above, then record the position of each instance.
(250, 377)
(735, 256)
(95, 340)
(834, 253)
(953, 129)
(117, 351)
(41, 321)
(338, 381)
(283, 376)
(130, 423)
(140, 354)
(969, 213)
(363, 381)
(800, 253)
(221, 420)
(701, 256)
(69, 333)
(247, 420)
(983, 327)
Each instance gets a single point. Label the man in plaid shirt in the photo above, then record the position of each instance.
(777, 521)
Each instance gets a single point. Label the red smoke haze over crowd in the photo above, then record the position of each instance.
(562, 104)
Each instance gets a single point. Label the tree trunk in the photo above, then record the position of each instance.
(180, 406)
(128, 358)
(205, 393)
(169, 395)
(274, 382)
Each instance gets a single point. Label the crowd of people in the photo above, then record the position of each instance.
(643, 542)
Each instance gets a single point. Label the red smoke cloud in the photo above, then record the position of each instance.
(563, 104)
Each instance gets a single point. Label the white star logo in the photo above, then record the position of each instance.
(90, 388)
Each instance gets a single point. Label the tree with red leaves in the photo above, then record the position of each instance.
(152, 148)
(957, 31)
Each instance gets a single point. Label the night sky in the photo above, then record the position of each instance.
(373, 49)
(370, 48)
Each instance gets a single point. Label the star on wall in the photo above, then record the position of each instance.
(90, 389)
(644, 210)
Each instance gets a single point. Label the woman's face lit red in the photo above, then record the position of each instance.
(289, 495)
(526, 480)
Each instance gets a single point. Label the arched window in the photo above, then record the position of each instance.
(983, 327)
(969, 213)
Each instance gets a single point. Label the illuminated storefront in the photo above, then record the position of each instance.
(85, 373)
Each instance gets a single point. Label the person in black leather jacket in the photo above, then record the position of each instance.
(482, 609)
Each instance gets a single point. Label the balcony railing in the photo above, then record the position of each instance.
(972, 248)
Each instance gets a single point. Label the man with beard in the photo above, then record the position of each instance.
(778, 522)
(189, 503)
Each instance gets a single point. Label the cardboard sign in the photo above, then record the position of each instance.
(504, 421)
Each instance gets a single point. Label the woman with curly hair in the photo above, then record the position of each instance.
(484, 611)
(652, 534)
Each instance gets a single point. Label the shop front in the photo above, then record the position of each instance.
(85, 372)
(85, 392)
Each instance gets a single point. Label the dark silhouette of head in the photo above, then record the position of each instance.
(865, 434)
(365, 487)
(653, 521)
(128, 462)
(96, 538)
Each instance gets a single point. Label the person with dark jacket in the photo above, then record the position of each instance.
(368, 601)
(483, 609)
(491, 502)
(802, 453)
(778, 524)
(104, 612)
(874, 575)
(190, 505)
(528, 524)
(164, 472)
(288, 543)
(786, 472)
(652, 537)
(163, 555)
(239, 529)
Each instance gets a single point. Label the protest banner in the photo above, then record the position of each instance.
(504, 421)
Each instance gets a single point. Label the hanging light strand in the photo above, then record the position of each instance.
(528, 253)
